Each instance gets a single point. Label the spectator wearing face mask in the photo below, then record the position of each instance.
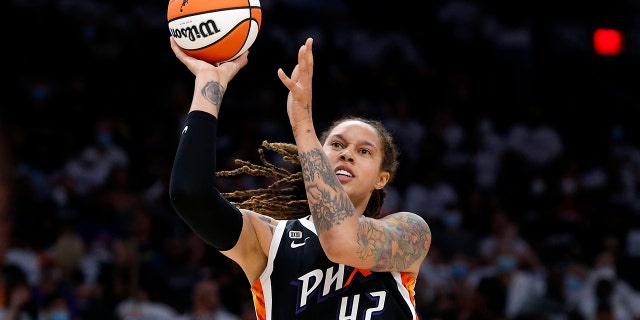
(505, 235)
(507, 291)
(605, 295)
(455, 238)
(56, 308)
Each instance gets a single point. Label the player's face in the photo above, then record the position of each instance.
(355, 152)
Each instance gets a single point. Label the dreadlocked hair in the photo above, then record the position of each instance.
(285, 198)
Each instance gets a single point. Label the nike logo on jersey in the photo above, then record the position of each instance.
(185, 129)
(299, 244)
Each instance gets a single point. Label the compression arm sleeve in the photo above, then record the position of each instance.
(191, 188)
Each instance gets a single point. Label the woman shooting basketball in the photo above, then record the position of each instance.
(330, 258)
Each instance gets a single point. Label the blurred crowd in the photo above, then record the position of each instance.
(534, 203)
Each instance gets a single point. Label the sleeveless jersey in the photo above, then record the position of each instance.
(300, 282)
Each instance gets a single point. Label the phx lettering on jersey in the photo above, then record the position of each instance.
(334, 282)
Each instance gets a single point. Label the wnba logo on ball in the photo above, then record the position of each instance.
(203, 30)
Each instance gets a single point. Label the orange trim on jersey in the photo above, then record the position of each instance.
(364, 272)
(409, 282)
(258, 300)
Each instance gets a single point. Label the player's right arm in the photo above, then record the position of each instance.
(192, 185)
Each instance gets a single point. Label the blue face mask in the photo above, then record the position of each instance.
(104, 139)
(459, 270)
(452, 220)
(572, 283)
(40, 93)
(58, 315)
(506, 263)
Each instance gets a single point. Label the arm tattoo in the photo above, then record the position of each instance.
(409, 234)
(404, 239)
(329, 205)
(213, 92)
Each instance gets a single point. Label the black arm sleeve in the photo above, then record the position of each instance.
(191, 188)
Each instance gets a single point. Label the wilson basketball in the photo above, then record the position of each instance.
(214, 30)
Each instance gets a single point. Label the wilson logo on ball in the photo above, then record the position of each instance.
(203, 30)
(214, 30)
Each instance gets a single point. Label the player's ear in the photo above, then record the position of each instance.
(383, 178)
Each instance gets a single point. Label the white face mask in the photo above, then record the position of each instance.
(606, 272)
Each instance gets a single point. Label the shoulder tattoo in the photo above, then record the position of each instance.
(404, 240)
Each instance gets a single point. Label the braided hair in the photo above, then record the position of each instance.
(286, 197)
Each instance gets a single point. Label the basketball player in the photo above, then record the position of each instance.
(332, 260)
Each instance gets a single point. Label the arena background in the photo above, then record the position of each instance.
(504, 114)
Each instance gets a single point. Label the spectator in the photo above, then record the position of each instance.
(605, 295)
(143, 303)
(206, 303)
(430, 195)
(508, 292)
(18, 302)
(56, 308)
(505, 235)
(454, 237)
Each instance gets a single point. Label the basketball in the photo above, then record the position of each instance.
(214, 30)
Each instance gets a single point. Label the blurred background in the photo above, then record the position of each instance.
(516, 122)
